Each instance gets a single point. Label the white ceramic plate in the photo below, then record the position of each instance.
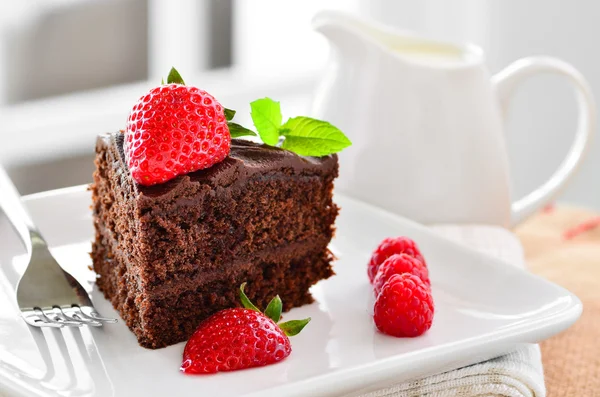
(483, 308)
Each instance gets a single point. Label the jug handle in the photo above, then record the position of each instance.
(505, 83)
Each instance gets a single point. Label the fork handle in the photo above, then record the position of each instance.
(17, 214)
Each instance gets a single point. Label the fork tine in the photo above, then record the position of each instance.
(76, 316)
(108, 320)
(93, 315)
(75, 319)
(63, 319)
(33, 318)
(42, 320)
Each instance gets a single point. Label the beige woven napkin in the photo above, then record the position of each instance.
(518, 374)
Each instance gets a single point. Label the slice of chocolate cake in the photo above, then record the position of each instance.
(169, 255)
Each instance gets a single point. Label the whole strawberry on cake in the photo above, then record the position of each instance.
(185, 211)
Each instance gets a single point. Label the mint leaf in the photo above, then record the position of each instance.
(293, 327)
(245, 301)
(174, 77)
(311, 137)
(266, 115)
(237, 130)
(273, 310)
(229, 114)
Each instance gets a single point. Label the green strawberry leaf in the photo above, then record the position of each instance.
(266, 115)
(174, 77)
(162, 81)
(229, 114)
(237, 130)
(293, 327)
(273, 310)
(311, 137)
(245, 301)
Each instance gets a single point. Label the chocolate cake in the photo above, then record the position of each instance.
(169, 255)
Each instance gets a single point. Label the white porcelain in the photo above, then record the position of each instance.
(426, 121)
(483, 308)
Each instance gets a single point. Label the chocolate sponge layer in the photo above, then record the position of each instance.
(169, 255)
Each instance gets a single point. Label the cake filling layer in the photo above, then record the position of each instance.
(160, 320)
(199, 278)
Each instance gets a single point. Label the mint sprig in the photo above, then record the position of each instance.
(266, 116)
(311, 137)
(302, 135)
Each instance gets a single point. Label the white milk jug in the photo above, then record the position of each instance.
(426, 121)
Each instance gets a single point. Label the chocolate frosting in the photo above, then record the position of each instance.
(245, 159)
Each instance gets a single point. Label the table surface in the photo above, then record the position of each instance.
(562, 244)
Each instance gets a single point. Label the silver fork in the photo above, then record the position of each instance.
(47, 295)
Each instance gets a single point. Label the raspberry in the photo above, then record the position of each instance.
(398, 264)
(234, 339)
(173, 130)
(404, 306)
(389, 247)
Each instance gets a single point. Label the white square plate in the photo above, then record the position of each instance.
(483, 308)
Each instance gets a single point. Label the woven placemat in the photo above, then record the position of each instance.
(562, 244)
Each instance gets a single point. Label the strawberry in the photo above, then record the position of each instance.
(240, 338)
(404, 306)
(389, 247)
(175, 129)
(398, 264)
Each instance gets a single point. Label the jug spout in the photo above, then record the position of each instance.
(353, 36)
(344, 32)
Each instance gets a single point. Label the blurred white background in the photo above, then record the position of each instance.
(70, 69)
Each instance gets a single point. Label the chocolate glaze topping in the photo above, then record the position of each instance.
(245, 159)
